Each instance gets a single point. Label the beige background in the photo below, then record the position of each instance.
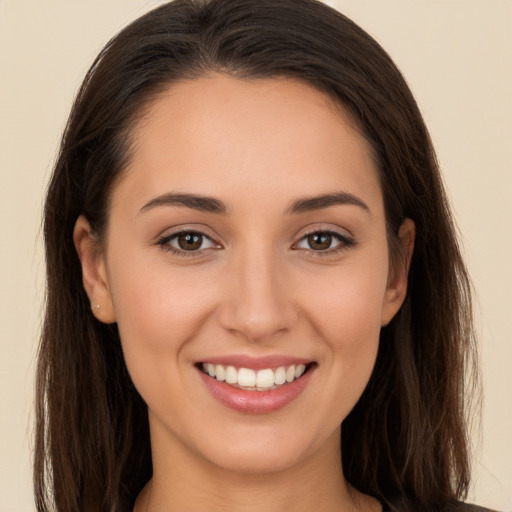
(457, 57)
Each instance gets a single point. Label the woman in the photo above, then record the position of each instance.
(255, 296)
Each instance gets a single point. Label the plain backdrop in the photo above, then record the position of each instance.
(457, 58)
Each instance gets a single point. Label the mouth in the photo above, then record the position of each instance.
(256, 385)
(262, 379)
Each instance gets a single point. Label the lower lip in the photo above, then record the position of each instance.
(256, 402)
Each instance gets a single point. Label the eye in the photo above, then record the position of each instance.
(186, 241)
(324, 241)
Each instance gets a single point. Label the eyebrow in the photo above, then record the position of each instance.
(213, 205)
(308, 204)
(196, 202)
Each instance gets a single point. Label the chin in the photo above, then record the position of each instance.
(264, 451)
(257, 459)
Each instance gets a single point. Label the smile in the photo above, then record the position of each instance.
(256, 386)
(265, 379)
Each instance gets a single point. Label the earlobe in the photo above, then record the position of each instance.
(397, 285)
(94, 274)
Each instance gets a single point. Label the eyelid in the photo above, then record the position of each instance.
(164, 241)
(346, 240)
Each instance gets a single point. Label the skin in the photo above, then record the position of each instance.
(257, 288)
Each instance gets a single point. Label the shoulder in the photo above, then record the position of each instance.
(467, 507)
(455, 507)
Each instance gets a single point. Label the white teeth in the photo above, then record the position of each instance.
(299, 370)
(264, 378)
(220, 373)
(260, 380)
(231, 375)
(280, 376)
(246, 378)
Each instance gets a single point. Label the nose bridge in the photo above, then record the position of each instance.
(259, 303)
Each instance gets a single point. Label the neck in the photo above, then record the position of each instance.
(182, 481)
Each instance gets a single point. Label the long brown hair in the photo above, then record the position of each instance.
(405, 442)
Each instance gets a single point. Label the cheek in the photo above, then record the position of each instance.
(347, 304)
(158, 312)
(346, 314)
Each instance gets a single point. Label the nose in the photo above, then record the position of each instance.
(259, 302)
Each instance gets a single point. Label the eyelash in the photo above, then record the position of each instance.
(164, 242)
(345, 243)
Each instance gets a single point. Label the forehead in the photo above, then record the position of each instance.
(219, 134)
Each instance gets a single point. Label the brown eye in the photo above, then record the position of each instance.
(319, 241)
(189, 241)
(324, 241)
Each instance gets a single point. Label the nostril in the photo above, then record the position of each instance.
(255, 324)
(257, 305)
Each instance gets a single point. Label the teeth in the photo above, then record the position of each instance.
(280, 376)
(265, 378)
(260, 380)
(299, 370)
(231, 375)
(220, 373)
(246, 378)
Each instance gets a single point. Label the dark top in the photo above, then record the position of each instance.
(459, 507)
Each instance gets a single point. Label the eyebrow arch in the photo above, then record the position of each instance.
(196, 202)
(308, 204)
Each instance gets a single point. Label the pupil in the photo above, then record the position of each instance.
(320, 241)
(189, 241)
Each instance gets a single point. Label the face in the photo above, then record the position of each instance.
(246, 264)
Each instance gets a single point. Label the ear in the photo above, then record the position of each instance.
(94, 272)
(397, 284)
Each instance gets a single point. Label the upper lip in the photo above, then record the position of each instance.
(256, 363)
